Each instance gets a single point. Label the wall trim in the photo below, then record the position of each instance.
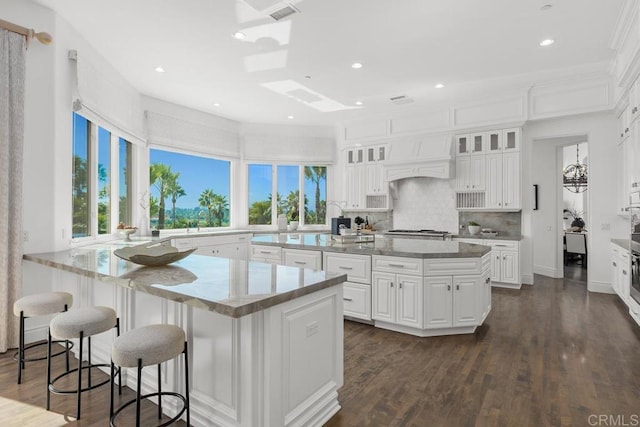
(547, 271)
(600, 287)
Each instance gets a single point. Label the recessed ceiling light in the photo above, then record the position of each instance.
(356, 65)
(307, 77)
(547, 42)
(546, 7)
(290, 117)
(358, 102)
(439, 86)
(159, 70)
(239, 35)
(216, 104)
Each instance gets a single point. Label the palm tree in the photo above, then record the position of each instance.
(206, 200)
(175, 191)
(160, 176)
(219, 205)
(316, 174)
(292, 205)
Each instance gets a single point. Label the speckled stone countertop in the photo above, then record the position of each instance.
(383, 245)
(230, 287)
(488, 237)
(623, 243)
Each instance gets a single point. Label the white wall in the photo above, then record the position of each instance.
(541, 227)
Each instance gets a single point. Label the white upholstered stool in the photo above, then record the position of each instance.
(79, 323)
(150, 345)
(39, 305)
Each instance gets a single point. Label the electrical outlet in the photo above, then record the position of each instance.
(461, 226)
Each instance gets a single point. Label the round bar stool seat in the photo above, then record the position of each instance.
(41, 304)
(150, 345)
(80, 323)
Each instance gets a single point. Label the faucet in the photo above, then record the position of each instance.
(198, 218)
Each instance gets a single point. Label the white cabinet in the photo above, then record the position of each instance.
(264, 253)
(397, 298)
(620, 272)
(355, 187)
(503, 181)
(357, 288)
(504, 261)
(355, 156)
(470, 173)
(468, 144)
(235, 246)
(623, 124)
(511, 139)
(365, 184)
(302, 258)
(622, 177)
(438, 302)
(456, 301)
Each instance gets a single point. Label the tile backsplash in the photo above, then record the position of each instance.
(425, 203)
(505, 223)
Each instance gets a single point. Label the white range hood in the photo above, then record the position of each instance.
(420, 156)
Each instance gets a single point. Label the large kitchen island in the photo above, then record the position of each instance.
(254, 330)
(415, 286)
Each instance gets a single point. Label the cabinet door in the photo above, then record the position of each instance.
(496, 266)
(438, 309)
(477, 143)
(463, 173)
(622, 181)
(487, 297)
(357, 300)
(355, 183)
(467, 290)
(510, 267)
(231, 250)
(410, 307)
(477, 175)
(383, 297)
(511, 139)
(374, 178)
(463, 145)
(494, 142)
(355, 156)
(494, 181)
(615, 279)
(511, 181)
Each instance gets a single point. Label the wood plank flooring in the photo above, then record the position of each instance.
(548, 355)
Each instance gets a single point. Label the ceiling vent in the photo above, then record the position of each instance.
(401, 99)
(284, 12)
(276, 9)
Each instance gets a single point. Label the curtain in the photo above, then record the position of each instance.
(12, 82)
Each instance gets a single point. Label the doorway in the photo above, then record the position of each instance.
(575, 200)
(548, 223)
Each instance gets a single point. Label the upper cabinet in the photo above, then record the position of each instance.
(355, 156)
(488, 174)
(365, 185)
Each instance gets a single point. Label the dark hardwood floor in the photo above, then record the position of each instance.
(548, 355)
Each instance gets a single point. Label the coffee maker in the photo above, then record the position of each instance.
(337, 222)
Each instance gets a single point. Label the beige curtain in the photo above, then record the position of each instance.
(12, 75)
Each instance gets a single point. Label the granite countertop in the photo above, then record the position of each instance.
(383, 245)
(230, 287)
(517, 237)
(623, 243)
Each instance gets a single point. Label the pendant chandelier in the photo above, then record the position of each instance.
(574, 176)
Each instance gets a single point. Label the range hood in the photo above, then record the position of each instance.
(421, 156)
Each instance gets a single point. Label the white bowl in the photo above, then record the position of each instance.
(474, 229)
(127, 232)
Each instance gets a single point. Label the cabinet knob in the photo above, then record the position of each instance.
(614, 264)
(391, 284)
(624, 272)
(457, 287)
(400, 285)
(448, 287)
(347, 299)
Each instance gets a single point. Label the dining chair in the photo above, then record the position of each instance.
(576, 244)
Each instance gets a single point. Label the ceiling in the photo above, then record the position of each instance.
(300, 66)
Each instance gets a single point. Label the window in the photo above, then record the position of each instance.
(188, 191)
(289, 182)
(80, 178)
(95, 201)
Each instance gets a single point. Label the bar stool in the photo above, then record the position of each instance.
(150, 345)
(80, 323)
(39, 305)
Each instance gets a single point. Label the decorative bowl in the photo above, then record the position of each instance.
(474, 229)
(152, 254)
(127, 232)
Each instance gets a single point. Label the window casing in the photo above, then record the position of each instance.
(95, 181)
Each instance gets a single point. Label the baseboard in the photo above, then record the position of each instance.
(35, 334)
(600, 287)
(547, 271)
(527, 279)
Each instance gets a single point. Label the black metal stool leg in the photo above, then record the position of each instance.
(160, 392)
(186, 381)
(79, 377)
(138, 391)
(119, 368)
(48, 368)
(111, 392)
(89, 370)
(66, 345)
(21, 349)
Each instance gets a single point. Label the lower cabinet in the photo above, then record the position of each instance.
(620, 268)
(456, 301)
(234, 246)
(397, 299)
(505, 261)
(302, 258)
(357, 300)
(268, 254)
(357, 288)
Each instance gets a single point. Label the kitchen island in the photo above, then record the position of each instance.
(414, 286)
(253, 330)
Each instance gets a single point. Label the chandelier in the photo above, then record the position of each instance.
(574, 176)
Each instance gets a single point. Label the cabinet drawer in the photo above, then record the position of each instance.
(182, 244)
(357, 300)
(220, 240)
(470, 240)
(397, 264)
(302, 258)
(502, 244)
(266, 252)
(357, 267)
(454, 266)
